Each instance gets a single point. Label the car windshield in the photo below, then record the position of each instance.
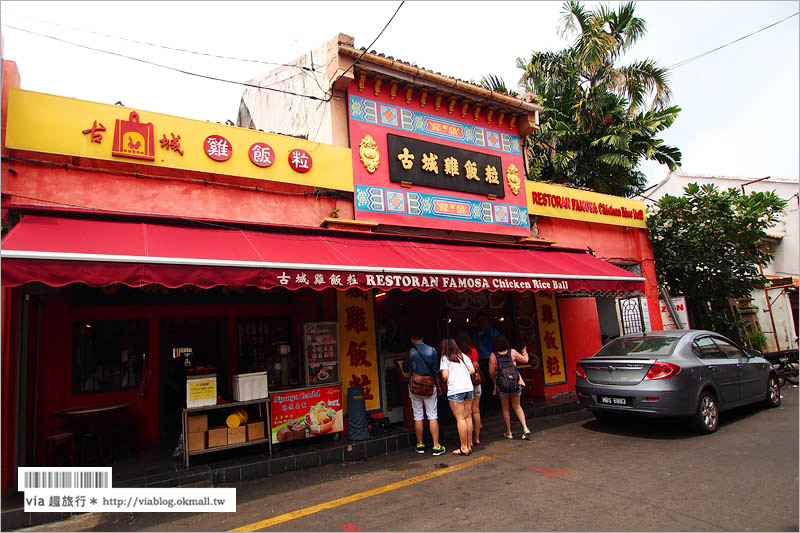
(639, 347)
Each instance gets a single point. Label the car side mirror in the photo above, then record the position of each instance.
(753, 353)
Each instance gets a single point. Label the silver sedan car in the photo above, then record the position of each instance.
(683, 373)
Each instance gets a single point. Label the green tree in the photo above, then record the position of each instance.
(708, 246)
(600, 120)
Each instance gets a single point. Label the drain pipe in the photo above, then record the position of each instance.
(670, 307)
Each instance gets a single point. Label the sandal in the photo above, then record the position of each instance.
(458, 451)
(508, 435)
(526, 435)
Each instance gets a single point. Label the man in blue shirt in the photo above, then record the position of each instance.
(423, 360)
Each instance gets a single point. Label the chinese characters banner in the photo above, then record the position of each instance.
(357, 351)
(427, 165)
(57, 125)
(306, 413)
(550, 338)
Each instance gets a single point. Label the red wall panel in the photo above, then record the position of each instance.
(580, 331)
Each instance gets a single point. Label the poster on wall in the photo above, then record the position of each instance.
(321, 345)
(550, 338)
(679, 303)
(306, 413)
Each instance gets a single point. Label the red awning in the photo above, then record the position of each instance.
(58, 251)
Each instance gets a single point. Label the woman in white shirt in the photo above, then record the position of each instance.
(456, 369)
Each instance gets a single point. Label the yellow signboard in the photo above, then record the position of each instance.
(550, 338)
(558, 201)
(57, 125)
(202, 389)
(357, 350)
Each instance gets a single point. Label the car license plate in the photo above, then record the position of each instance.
(613, 400)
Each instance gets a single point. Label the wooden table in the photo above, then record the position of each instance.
(89, 419)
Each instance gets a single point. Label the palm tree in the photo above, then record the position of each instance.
(600, 119)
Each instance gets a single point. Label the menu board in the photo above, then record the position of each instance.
(321, 344)
(306, 413)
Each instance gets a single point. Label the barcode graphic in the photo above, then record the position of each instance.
(66, 478)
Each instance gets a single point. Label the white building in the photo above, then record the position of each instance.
(783, 238)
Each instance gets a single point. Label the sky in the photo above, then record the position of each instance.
(739, 117)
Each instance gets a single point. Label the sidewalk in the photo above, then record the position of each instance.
(158, 469)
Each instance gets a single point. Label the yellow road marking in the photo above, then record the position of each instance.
(360, 495)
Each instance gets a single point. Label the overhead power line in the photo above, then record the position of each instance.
(164, 47)
(695, 58)
(174, 69)
(328, 94)
(370, 45)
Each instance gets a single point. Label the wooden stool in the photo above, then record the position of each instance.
(53, 443)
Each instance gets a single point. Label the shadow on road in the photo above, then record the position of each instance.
(663, 428)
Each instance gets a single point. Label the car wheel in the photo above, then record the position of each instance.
(707, 415)
(773, 392)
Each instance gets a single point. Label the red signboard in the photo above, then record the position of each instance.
(300, 160)
(306, 413)
(424, 163)
(218, 148)
(261, 154)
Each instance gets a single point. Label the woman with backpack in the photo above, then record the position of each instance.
(465, 344)
(508, 383)
(456, 370)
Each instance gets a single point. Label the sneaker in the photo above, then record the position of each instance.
(438, 450)
(420, 448)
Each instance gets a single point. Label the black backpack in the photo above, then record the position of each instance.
(507, 376)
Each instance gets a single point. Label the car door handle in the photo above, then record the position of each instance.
(739, 365)
(712, 368)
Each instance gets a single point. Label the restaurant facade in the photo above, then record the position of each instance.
(153, 264)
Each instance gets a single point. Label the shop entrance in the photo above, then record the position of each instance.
(206, 337)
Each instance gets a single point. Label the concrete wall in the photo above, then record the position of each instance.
(787, 250)
(279, 112)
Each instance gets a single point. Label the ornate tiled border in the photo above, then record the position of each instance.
(401, 118)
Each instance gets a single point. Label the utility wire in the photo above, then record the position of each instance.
(695, 58)
(366, 49)
(195, 52)
(328, 94)
(214, 78)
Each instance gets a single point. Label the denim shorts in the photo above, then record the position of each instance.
(461, 396)
(503, 394)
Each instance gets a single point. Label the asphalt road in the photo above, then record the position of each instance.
(575, 475)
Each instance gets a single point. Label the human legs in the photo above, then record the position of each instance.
(476, 419)
(519, 412)
(461, 424)
(417, 407)
(506, 415)
(431, 410)
(468, 420)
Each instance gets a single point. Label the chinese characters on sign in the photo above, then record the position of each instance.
(550, 338)
(95, 130)
(174, 143)
(217, 148)
(358, 353)
(300, 160)
(261, 154)
(444, 167)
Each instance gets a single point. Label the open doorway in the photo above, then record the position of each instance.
(207, 339)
